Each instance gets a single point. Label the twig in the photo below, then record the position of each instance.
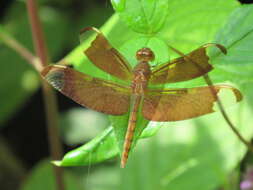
(225, 116)
(49, 96)
(223, 112)
(37, 33)
(21, 50)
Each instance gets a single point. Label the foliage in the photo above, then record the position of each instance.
(192, 154)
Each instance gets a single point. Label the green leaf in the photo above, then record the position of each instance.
(151, 129)
(142, 16)
(191, 24)
(102, 147)
(98, 149)
(42, 177)
(237, 36)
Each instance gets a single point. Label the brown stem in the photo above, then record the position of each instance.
(49, 96)
(37, 32)
(223, 112)
(53, 133)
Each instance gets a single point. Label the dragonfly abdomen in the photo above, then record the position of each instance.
(130, 129)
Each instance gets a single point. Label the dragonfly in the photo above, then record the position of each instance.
(155, 104)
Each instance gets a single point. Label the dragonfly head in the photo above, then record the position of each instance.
(145, 55)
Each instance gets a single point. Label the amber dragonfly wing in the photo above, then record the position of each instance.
(183, 68)
(94, 93)
(181, 104)
(107, 58)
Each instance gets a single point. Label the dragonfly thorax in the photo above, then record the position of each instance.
(141, 74)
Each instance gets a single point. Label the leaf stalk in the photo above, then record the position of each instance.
(48, 94)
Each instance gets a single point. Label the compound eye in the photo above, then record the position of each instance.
(145, 54)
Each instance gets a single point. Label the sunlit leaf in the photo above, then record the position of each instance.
(102, 147)
(237, 65)
(142, 16)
